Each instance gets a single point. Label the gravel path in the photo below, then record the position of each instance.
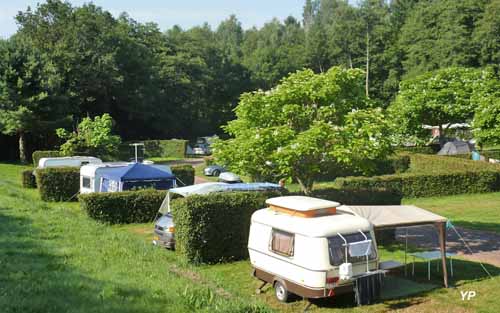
(484, 244)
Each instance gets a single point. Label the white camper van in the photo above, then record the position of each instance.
(310, 247)
(75, 161)
(90, 177)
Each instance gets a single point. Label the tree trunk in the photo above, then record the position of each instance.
(350, 60)
(22, 148)
(441, 135)
(367, 82)
(305, 185)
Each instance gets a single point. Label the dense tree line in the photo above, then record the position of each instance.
(66, 63)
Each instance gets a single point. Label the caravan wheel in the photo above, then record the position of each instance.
(280, 291)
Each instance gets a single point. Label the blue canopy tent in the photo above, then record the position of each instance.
(136, 176)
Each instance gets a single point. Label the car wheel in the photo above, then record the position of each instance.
(281, 292)
(216, 173)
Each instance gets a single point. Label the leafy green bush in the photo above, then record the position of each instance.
(37, 155)
(427, 185)
(214, 228)
(28, 180)
(58, 183)
(165, 148)
(184, 174)
(394, 164)
(123, 207)
(430, 164)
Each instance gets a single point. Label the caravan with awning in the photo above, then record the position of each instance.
(316, 248)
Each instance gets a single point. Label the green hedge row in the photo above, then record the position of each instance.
(28, 180)
(58, 183)
(359, 196)
(37, 155)
(394, 164)
(165, 148)
(427, 185)
(123, 207)
(214, 228)
(184, 174)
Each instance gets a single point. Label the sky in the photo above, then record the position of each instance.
(166, 13)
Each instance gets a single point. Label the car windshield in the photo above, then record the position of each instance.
(337, 248)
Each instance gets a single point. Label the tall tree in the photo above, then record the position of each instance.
(309, 121)
(29, 101)
(487, 34)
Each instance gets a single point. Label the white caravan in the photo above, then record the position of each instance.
(73, 161)
(90, 174)
(90, 178)
(310, 247)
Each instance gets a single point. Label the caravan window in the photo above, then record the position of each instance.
(282, 242)
(86, 182)
(337, 249)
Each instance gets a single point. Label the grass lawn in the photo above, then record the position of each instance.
(476, 211)
(53, 258)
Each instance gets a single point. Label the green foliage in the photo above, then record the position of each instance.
(394, 164)
(28, 180)
(436, 98)
(93, 137)
(307, 122)
(122, 207)
(184, 174)
(58, 183)
(214, 228)
(165, 148)
(454, 21)
(37, 155)
(486, 123)
(432, 176)
(428, 185)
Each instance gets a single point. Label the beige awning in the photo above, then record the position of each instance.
(382, 216)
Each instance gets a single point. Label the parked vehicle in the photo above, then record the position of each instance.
(214, 170)
(73, 161)
(164, 226)
(90, 175)
(230, 178)
(310, 247)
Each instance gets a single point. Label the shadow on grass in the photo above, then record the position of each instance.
(464, 272)
(34, 279)
(493, 227)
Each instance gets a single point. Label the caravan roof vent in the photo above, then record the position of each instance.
(303, 206)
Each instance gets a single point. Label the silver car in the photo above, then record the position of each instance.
(164, 232)
(214, 170)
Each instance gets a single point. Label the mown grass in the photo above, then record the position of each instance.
(475, 211)
(53, 258)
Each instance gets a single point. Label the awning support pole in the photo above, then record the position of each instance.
(442, 246)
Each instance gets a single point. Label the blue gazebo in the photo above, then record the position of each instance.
(136, 176)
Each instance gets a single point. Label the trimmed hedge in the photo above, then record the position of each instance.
(184, 174)
(214, 228)
(427, 185)
(359, 196)
(123, 207)
(37, 155)
(58, 183)
(28, 180)
(165, 148)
